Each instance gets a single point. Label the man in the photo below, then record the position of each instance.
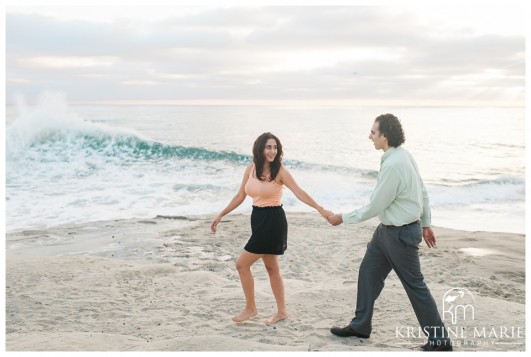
(401, 203)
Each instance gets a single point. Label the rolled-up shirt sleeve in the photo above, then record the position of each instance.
(384, 194)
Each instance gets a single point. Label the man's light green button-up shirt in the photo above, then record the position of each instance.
(399, 197)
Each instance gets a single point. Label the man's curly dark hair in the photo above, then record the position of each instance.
(391, 128)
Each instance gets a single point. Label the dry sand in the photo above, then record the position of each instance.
(168, 284)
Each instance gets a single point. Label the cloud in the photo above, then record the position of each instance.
(280, 53)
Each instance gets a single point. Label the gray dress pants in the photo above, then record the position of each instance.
(396, 248)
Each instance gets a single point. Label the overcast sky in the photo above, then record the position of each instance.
(362, 55)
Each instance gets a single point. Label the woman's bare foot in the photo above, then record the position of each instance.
(279, 316)
(244, 315)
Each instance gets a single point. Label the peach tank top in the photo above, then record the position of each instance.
(264, 194)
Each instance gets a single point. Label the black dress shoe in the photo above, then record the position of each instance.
(432, 346)
(346, 332)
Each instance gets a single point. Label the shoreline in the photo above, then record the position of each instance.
(195, 217)
(168, 284)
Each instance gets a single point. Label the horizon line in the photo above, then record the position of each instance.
(310, 103)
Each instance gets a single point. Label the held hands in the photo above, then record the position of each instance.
(333, 219)
(325, 213)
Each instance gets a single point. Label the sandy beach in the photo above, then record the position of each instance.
(168, 284)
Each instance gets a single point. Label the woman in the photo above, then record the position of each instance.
(263, 181)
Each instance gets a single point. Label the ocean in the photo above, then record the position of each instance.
(82, 163)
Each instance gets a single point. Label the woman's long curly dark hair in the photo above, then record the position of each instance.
(259, 158)
(391, 128)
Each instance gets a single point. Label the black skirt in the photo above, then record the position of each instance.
(269, 228)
